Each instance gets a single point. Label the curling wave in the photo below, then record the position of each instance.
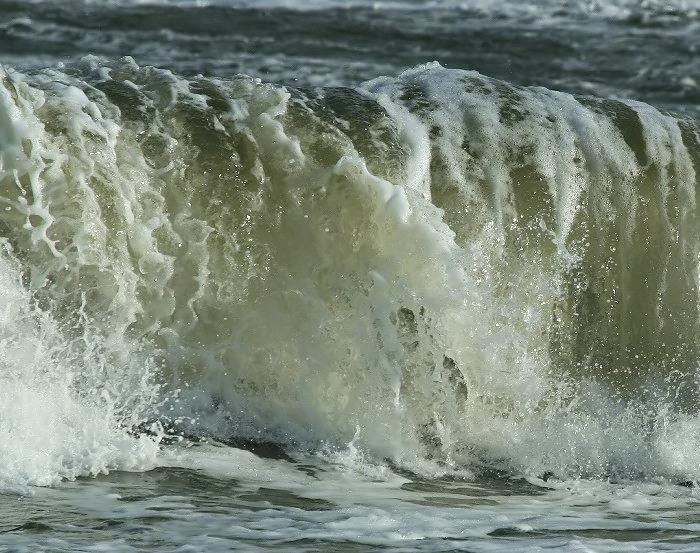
(440, 268)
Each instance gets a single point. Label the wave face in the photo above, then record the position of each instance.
(441, 269)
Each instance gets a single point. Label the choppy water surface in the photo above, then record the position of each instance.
(228, 501)
(424, 278)
(643, 50)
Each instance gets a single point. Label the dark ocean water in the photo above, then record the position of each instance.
(645, 51)
(349, 276)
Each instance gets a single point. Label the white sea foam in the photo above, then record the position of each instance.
(59, 418)
(70, 395)
(419, 277)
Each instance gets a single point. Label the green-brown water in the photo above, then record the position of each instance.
(362, 299)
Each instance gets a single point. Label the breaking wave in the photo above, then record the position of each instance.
(441, 269)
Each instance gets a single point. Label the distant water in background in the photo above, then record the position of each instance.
(642, 50)
(349, 276)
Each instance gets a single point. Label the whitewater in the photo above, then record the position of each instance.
(265, 285)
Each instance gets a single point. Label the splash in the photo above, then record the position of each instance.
(440, 269)
(73, 391)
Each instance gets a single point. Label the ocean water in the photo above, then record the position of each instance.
(349, 276)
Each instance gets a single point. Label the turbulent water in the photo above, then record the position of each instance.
(349, 276)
